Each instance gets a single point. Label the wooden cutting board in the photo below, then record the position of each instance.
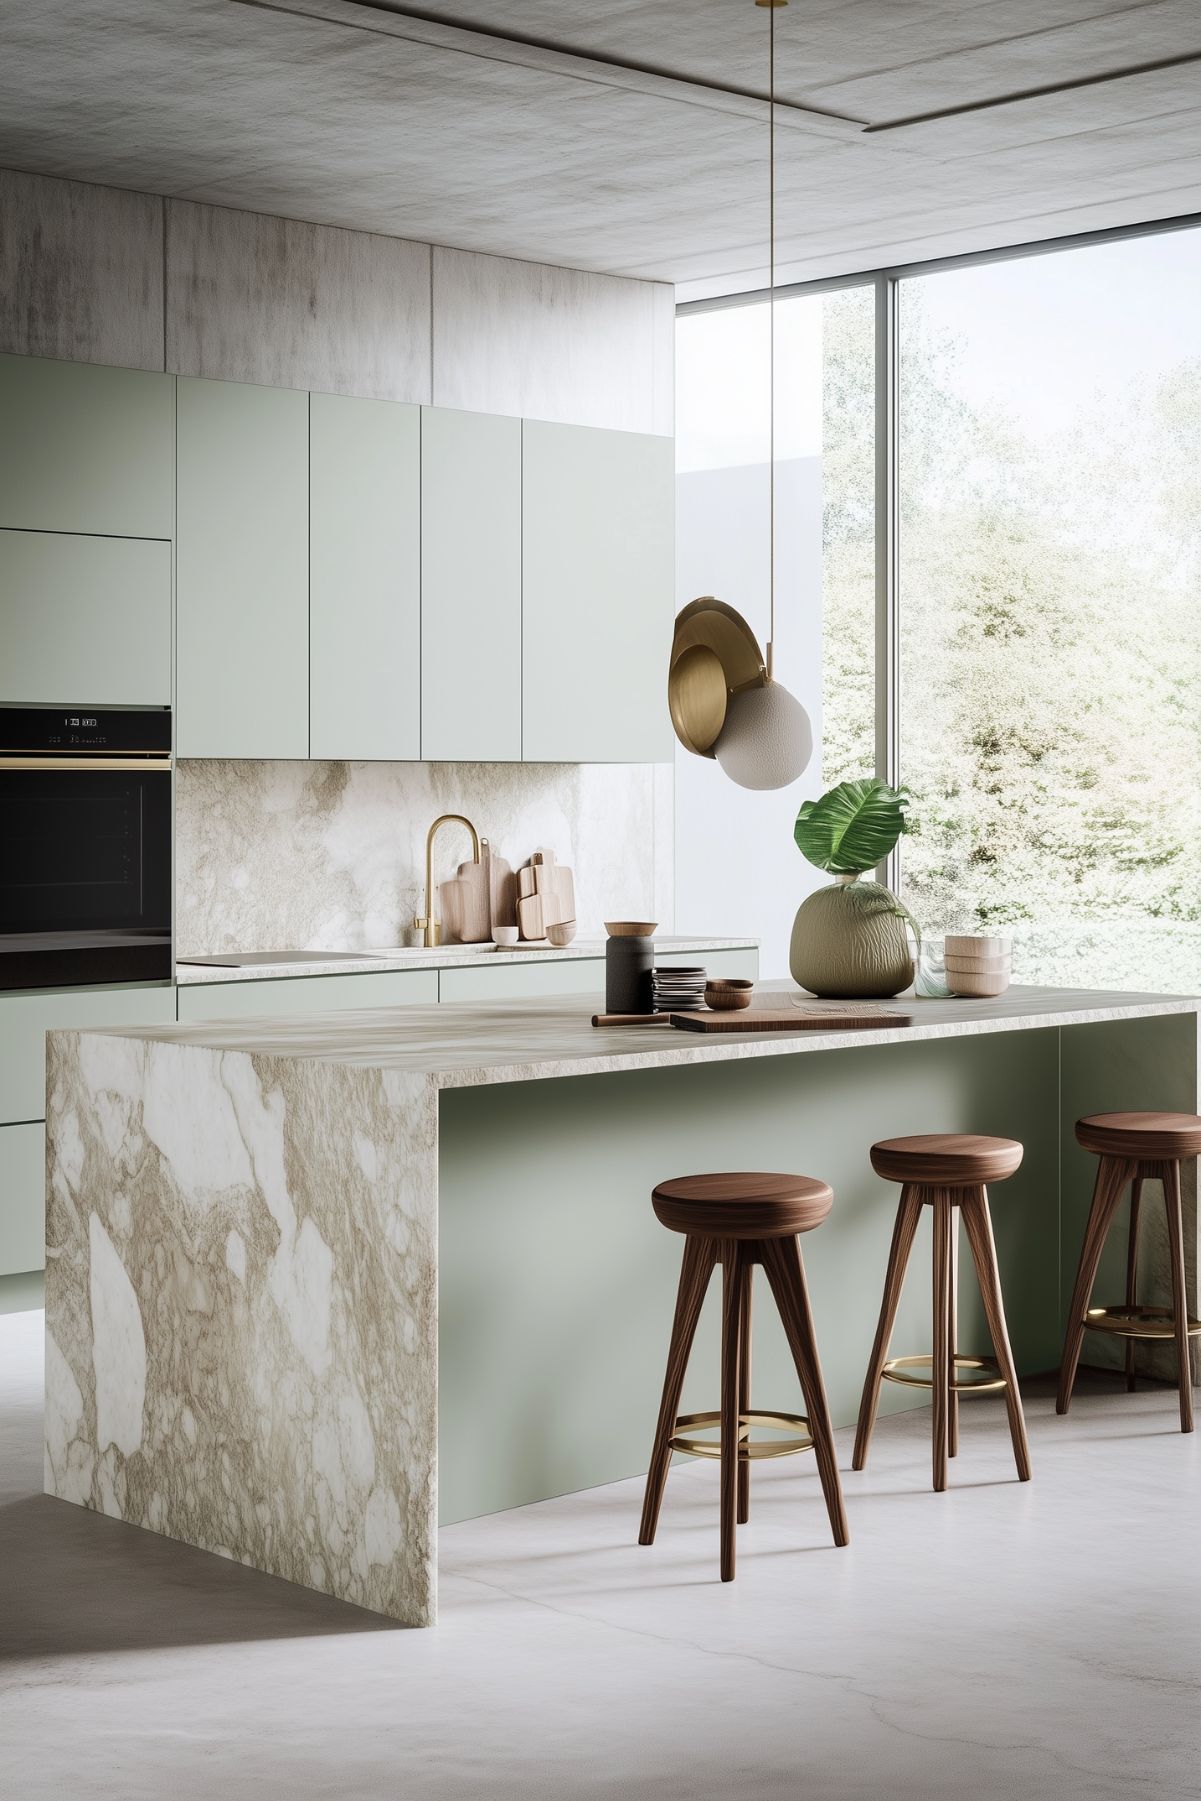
(850, 1017)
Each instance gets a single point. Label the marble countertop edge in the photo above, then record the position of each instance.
(471, 1045)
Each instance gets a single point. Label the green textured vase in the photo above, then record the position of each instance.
(850, 940)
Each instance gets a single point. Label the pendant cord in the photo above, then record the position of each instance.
(771, 327)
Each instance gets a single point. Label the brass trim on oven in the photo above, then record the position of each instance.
(128, 762)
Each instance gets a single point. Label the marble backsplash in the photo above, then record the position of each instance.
(287, 856)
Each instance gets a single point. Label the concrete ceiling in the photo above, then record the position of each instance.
(624, 136)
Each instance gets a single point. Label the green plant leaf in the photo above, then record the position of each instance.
(853, 827)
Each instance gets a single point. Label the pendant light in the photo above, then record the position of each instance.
(721, 707)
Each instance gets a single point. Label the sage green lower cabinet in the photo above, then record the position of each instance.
(26, 1018)
(22, 1198)
(364, 579)
(24, 1021)
(84, 621)
(307, 994)
(523, 981)
(86, 449)
(242, 571)
(598, 594)
(470, 587)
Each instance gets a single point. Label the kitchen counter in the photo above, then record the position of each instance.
(445, 956)
(313, 1283)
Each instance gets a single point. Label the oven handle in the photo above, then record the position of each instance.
(72, 763)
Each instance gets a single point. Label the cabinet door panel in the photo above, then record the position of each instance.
(22, 1198)
(307, 994)
(365, 578)
(26, 1018)
(242, 571)
(85, 621)
(470, 587)
(522, 981)
(86, 449)
(597, 594)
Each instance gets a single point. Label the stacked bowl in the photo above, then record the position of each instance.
(977, 966)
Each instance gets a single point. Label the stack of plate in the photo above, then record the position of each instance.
(678, 990)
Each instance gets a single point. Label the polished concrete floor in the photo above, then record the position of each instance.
(1040, 1642)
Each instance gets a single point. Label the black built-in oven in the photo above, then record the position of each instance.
(85, 845)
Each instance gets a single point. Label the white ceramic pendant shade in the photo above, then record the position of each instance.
(767, 740)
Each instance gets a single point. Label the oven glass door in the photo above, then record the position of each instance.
(85, 876)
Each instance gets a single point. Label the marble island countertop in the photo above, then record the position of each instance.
(445, 956)
(464, 1044)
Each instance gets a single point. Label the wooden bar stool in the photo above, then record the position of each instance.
(945, 1171)
(739, 1220)
(1133, 1148)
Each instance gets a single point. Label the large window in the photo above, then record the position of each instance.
(1049, 607)
(1037, 511)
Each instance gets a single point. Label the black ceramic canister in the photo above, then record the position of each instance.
(628, 966)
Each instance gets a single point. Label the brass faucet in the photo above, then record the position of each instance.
(430, 927)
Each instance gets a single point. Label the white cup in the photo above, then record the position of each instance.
(504, 937)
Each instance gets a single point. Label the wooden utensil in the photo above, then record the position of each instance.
(631, 1019)
(794, 1019)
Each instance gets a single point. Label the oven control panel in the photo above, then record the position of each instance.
(47, 731)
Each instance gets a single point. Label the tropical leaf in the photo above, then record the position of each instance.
(853, 827)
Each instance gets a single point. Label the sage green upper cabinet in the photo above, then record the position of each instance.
(84, 621)
(86, 449)
(364, 578)
(598, 514)
(242, 571)
(470, 587)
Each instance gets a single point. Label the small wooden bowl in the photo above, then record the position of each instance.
(630, 928)
(728, 997)
(977, 947)
(561, 934)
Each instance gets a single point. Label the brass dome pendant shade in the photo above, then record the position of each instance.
(723, 700)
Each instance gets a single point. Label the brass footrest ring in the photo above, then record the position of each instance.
(1138, 1322)
(989, 1381)
(749, 1450)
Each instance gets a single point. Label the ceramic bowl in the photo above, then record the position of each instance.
(728, 997)
(978, 984)
(504, 937)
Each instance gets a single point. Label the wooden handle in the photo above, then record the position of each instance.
(631, 1019)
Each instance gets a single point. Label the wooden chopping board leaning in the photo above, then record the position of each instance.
(479, 896)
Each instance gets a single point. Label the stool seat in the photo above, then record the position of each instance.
(742, 1204)
(1140, 1135)
(946, 1159)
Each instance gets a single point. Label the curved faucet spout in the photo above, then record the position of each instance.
(429, 927)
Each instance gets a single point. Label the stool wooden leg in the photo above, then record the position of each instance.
(1136, 1195)
(1113, 1173)
(786, 1273)
(700, 1254)
(976, 1219)
(943, 1211)
(731, 1338)
(908, 1213)
(1171, 1195)
(744, 1385)
(952, 1335)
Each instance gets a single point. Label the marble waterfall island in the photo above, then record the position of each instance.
(314, 1283)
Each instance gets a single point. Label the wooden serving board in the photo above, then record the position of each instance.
(792, 1019)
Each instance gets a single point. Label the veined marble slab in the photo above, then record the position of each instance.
(242, 1266)
(446, 956)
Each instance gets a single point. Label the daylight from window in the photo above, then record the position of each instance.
(1050, 608)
